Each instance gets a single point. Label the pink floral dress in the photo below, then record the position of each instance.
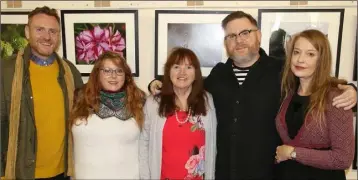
(183, 150)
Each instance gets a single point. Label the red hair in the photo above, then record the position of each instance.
(322, 82)
(87, 100)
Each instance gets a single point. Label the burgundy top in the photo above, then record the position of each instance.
(337, 134)
(183, 148)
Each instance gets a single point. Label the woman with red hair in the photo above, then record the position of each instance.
(318, 138)
(106, 121)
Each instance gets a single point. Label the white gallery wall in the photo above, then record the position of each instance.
(146, 26)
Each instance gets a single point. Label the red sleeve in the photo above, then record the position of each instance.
(341, 134)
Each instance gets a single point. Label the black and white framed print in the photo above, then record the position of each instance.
(278, 25)
(199, 31)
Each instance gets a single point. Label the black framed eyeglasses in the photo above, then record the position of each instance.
(109, 71)
(243, 34)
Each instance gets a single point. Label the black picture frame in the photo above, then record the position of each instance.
(165, 17)
(98, 17)
(289, 16)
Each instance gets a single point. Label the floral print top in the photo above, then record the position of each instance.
(183, 149)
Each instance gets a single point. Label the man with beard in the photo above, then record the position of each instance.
(246, 93)
(36, 96)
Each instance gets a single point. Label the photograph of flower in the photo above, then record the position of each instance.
(199, 31)
(277, 25)
(93, 39)
(86, 34)
(12, 33)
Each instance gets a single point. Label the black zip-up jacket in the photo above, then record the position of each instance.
(246, 132)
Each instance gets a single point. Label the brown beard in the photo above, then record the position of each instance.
(253, 52)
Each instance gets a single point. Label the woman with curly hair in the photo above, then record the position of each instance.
(106, 121)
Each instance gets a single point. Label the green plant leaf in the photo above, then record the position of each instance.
(6, 49)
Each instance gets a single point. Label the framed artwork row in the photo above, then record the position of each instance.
(88, 33)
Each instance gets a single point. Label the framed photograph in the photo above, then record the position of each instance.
(86, 34)
(13, 32)
(278, 25)
(199, 31)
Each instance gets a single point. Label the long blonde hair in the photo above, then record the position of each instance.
(322, 82)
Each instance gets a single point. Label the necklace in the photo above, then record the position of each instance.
(186, 119)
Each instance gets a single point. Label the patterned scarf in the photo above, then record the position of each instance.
(114, 101)
(113, 105)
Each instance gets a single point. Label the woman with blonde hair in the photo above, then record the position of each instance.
(106, 121)
(318, 139)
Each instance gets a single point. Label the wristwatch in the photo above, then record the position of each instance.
(293, 154)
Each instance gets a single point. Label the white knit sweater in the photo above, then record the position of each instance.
(106, 149)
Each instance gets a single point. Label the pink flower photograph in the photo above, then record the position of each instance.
(93, 39)
(86, 34)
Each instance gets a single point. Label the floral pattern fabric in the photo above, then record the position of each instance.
(183, 151)
(195, 165)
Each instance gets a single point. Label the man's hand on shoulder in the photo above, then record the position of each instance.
(348, 99)
(155, 87)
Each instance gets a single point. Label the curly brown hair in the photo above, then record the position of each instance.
(87, 100)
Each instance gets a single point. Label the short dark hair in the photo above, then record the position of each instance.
(237, 15)
(44, 10)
